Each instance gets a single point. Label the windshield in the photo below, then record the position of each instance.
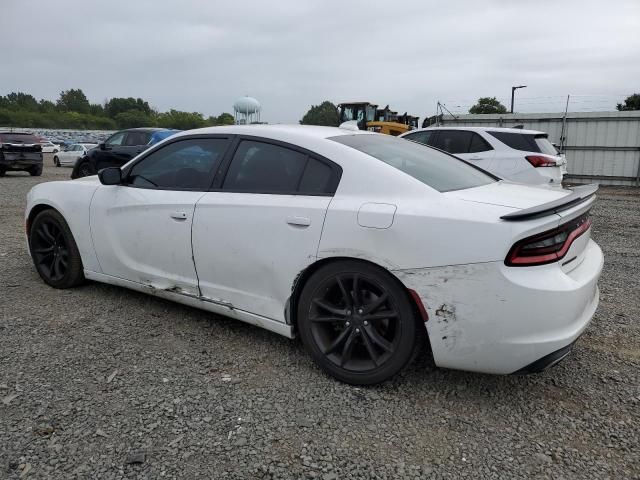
(545, 145)
(433, 168)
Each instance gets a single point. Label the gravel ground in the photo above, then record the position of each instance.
(102, 382)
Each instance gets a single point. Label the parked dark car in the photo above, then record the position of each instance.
(20, 151)
(116, 150)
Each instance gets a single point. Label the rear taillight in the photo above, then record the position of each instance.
(540, 161)
(547, 247)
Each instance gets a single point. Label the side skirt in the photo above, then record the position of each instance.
(203, 303)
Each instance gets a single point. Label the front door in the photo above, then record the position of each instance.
(253, 237)
(142, 229)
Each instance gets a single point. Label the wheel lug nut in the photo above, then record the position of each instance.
(366, 323)
(348, 312)
(347, 324)
(357, 330)
(360, 311)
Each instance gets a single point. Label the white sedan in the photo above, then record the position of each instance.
(70, 155)
(49, 147)
(364, 245)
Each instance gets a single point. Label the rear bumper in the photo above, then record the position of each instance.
(547, 361)
(20, 164)
(491, 318)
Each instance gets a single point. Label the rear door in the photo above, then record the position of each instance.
(467, 145)
(261, 227)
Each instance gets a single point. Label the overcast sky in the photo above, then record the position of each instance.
(289, 54)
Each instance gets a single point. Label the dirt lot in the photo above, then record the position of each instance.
(101, 382)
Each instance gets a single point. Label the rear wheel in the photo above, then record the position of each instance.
(56, 162)
(35, 171)
(357, 323)
(54, 251)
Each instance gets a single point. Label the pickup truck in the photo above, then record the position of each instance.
(20, 151)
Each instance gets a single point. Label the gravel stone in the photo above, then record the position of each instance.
(202, 396)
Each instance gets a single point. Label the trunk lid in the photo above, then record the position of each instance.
(512, 195)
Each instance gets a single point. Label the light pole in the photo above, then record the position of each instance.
(513, 91)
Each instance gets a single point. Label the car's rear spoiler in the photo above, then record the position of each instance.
(577, 195)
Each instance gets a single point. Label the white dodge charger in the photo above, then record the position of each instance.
(363, 244)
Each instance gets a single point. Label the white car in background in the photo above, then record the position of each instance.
(360, 243)
(70, 155)
(523, 156)
(49, 147)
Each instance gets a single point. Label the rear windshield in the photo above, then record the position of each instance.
(526, 142)
(432, 167)
(18, 138)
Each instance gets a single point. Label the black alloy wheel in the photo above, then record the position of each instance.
(84, 169)
(54, 251)
(357, 322)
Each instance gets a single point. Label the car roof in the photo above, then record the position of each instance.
(483, 129)
(276, 131)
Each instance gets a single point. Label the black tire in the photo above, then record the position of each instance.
(2, 172)
(56, 162)
(85, 170)
(54, 251)
(356, 321)
(35, 171)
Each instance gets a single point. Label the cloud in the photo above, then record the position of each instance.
(201, 55)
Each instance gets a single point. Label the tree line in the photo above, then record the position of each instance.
(72, 109)
(327, 113)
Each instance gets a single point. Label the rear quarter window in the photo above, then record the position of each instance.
(525, 142)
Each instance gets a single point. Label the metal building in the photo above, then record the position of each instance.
(602, 147)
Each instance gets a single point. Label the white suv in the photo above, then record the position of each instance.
(524, 156)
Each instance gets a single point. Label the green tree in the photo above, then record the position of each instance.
(20, 101)
(46, 106)
(632, 102)
(181, 120)
(133, 118)
(117, 105)
(324, 114)
(488, 105)
(73, 100)
(96, 109)
(225, 119)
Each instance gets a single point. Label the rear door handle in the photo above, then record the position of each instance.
(299, 221)
(178, 215)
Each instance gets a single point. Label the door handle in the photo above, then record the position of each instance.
(178, 215)
(299, 221)
(475, 158)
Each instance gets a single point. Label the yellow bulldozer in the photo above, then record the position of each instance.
(382, 120)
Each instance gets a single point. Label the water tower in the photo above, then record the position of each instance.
(246, 110)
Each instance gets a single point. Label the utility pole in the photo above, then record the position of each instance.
(513, 91)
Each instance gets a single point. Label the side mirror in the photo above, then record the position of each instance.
(102, 146)
(110, 176)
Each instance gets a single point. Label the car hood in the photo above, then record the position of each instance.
(507, 194)
(90, 179)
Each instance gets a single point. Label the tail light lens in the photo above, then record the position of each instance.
(547, 247)
(540, 161)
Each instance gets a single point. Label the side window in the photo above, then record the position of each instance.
(517, 141)
(183, 165)
(454, 141)
(478, 144)
(116, 139)
(421, 137)
(318, 178)
(264, 168)
(135, 139)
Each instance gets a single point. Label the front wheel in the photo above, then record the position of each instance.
(54, 250)
(356, 321)
(84, 169)
(56, 161)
